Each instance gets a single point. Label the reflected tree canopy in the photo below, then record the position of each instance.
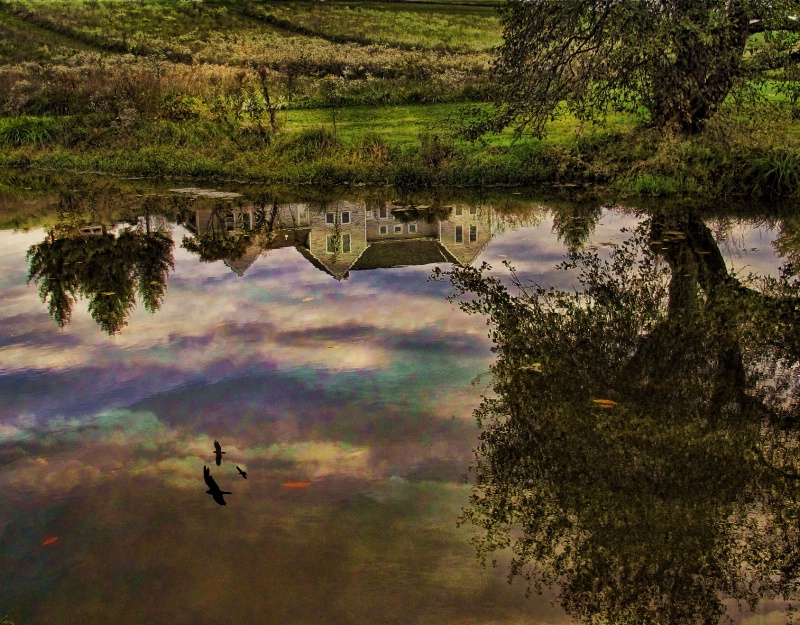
(574, 223)
(108, 269)
(640, 446)
(227, 231)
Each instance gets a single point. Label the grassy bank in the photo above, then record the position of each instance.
(412, 146)
(367, 93)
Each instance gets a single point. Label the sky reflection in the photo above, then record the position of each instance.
(360, 386)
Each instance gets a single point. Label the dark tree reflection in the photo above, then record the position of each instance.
(683, 486)
(574, 223)
(221, 236)
(107, 269)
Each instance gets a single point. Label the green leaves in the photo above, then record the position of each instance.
(680, 60)
(680, 491)
(106, 270)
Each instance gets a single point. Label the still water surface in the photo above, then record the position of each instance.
(307, 338)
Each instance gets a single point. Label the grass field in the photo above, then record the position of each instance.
(308, 92)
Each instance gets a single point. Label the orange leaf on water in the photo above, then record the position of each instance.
(297, 484)
(50, 540)
(605, 403)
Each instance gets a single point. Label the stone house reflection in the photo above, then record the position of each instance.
(466, 232)
(342, 236)
(261, 228)
(337, 237)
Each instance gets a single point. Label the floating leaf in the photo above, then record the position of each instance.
(296, 484)
(307, 299)
(333, 347)
(536, 367)
(108, 293)
(605, 403)
(50, 540)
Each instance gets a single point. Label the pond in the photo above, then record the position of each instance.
(141, 324)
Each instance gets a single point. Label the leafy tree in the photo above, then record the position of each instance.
(216, 245)
(214, 242)
(574, 223)
(153, 262)
(678, 58)
(108, 271)
(640, 447)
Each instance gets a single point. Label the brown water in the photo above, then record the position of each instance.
(307, 338)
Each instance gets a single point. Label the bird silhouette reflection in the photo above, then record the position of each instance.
(242, 473)
(218, 451)
(213, 489)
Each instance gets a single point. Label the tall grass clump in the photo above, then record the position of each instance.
(373, 147)
(25, 130)
(307, 145)
(775, 174)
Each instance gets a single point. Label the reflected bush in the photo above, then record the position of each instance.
(638, 450)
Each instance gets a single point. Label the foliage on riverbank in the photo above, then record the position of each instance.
(331, 94)
(412, 147)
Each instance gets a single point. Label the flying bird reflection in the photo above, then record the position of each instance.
(213, 489)
(219, 452)
(242, 473)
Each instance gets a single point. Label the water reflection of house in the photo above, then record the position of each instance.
(265, 228)
(342, 236)
(466, 232)
(396, 236)
(93, 230)
(338, 237)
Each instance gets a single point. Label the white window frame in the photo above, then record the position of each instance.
(473, 233)
(330, 218)
(412, 228)
(345, 217)
(346, 243)
(459, 234)
(398, 229)
(328, 244)
(384, 229)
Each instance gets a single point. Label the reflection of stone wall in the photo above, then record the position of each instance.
(266, 228)
(338, 235)
(235, 218)
(204, 220)
(474, 223)
(397, 229)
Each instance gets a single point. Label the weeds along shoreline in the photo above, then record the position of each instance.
(329, 94)
(626, 160)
